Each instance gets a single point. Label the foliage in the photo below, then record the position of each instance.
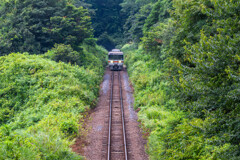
(153, 95)
(64, 53)
(41, 104)
(42, 101)
(89, 56)
(159, 13)
(107, 41)
(157, 40)
(107, 21)
(192, 108)
(34, 26)
(85, 4)
(121, 21)
(182, 57)
(137, 12)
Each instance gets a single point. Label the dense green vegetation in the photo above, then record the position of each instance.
(107, 20)
(52, 80)
(41, 104)
(117, 22)
(182, 57)
(186, 74)
(137, 12)
(34, 26)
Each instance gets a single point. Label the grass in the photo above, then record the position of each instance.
(41, 103)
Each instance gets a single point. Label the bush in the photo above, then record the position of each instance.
(64, 53)
(175, 123)
(89, 56)
(41, 104)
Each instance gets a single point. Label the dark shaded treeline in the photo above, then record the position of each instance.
(108, 22)
(118, 22)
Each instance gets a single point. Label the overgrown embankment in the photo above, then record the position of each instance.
(153, 96)
(174, 133)
(42, 102)
(43, 96)
(185, 72)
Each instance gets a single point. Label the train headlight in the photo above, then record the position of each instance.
(111, 61)
(120, 61)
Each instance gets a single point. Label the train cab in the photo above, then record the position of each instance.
(115, 60)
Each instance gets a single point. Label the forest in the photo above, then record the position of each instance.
(182, 56)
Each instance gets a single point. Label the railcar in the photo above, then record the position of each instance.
(115, 60)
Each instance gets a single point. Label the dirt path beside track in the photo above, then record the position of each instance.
(97, 125)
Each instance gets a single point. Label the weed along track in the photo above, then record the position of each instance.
(116, 147)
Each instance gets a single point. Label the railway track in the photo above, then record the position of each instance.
(116, 139)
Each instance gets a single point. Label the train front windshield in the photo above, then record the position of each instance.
(115, 57)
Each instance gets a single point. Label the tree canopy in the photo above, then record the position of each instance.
(34, 26)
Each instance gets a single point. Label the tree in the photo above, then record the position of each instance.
(159, 12)
(137, 12)
(34, 26)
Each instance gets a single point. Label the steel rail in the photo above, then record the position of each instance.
(110, 119)
(123, 122)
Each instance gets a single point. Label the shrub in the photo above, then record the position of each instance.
(41, 104)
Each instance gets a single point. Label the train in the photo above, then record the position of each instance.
(115, 60)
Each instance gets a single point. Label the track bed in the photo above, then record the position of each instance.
(104, 142)
(116, 145)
